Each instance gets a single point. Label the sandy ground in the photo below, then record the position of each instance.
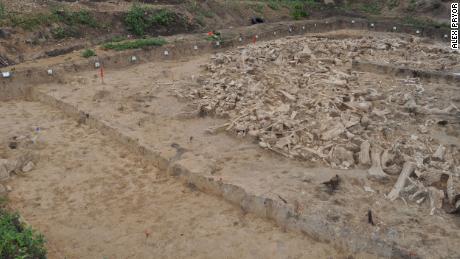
(93, 199)
(139, 102)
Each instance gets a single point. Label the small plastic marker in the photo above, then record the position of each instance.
(352, 21)
(445, 36)
(274, 33)
(166, 53)
(50, 72)
(315, 24)
(257, 36)
(217, 43)
(303, 27)
(372, 25)
(290, 29)
(133, 59)
(97, 65)
(394, 28)
(6, 74)
(240, 39)
(417, 32)
(195, 47)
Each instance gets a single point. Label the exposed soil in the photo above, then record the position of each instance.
(93, 199)
(140, 102)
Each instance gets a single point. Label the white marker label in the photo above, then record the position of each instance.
(50, 72)
(372, 25)
(6, 74)
(195, 47)
(454, 26)
(97, 65)
(353, 21)
(166, 53)
(394, 28)
(217, 43)
(240, 39)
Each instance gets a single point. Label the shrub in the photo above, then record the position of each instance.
(135, 20)
(298, 11)
(62, 32)
(163, 17)
(88, 53)
(139, 19)
(19, 241)
(135, 44)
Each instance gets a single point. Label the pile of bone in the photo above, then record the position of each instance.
(412, 52)
(298, 98)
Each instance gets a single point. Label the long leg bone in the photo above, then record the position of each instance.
(376, 170)
(408, 169)
(364, 158)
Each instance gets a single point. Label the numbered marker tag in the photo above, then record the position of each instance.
(417, 32)
(50, 72)
(352, 21)
(166, 53)
(257, 36)
(6, 74)
(133, 59)
(394, 28)
(445, 36)
(195, 47)
(217, 43)
(97, 65)
(372, 25)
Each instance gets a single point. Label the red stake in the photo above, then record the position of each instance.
(254, 39)
(101, 70)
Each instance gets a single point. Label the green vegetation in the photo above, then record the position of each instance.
(135, 44)
(62, 32)
(258, 7)
(34, 20)
(393, 4)
(424, 22)
(298, 10)
(17, 240)
(274, 4)
(140, 18)
(371, 8)
(2, 11)
(76, 18)
(88, 53)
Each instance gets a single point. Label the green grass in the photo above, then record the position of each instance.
(63, 17)
(140, 18)
(298, 10)
(421, 22)
(258, 7)
(135, 44)
(18, 240)
(392, 4)
(371, 8)
(274, 4)
(2, 11)
(88, 53)
(76, 18)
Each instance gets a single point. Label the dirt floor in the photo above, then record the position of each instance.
(86, 185)
(141, 102)
(93, 199)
